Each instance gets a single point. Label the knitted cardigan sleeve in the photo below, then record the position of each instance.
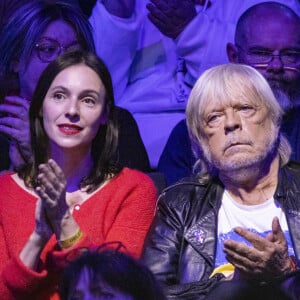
(133, 217)
(125, 215)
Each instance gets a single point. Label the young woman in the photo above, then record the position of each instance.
(71, 195)
(34, 35)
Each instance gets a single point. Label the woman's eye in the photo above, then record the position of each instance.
(89, 101)
(58, 96)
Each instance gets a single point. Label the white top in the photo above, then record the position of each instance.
(146, 65)
(256, 218)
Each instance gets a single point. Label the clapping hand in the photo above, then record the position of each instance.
(52, 191)
(266, 259)
(121, 9)
(51, 208)
(171, 16)
(15, 125)
(42, 226)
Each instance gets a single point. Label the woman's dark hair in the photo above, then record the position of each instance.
(116, 269)
(105, 142)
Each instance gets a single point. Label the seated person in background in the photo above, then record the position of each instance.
(268, 38)
(234, 228)
(72, 194)
(177, 159)
(160, 48)
(35, 34)
(105, 273)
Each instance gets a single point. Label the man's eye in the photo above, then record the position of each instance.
(213, 119)
(291, 53)
(291, 56)
(261, 53)
(245, 107)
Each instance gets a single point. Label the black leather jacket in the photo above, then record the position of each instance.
(181, 245)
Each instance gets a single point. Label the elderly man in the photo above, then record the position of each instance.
(267, 37)
(233, 230)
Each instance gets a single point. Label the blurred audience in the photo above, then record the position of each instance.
(159, 49)
(177, 159)
(268, 38)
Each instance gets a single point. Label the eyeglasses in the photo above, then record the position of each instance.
(114, 246)
(262, 56)
(48, 49)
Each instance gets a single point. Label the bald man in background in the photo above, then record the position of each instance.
(267, 37)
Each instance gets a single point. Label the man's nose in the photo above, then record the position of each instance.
(232, 121)
(275, 65)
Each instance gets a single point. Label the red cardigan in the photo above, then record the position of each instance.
(120, 211)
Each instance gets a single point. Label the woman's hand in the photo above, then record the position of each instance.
(52, 191)
(171, 17)
(42, 225)
(30, 254)
(120, 8)
(15, 125)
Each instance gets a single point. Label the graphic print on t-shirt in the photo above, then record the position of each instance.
(256, 218)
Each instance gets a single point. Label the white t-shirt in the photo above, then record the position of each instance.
(256, 218)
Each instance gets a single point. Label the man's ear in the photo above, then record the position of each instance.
(232, 53)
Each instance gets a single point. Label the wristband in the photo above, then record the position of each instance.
(71, 240)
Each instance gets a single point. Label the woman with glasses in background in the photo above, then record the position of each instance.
(72, 195)
(35, 34)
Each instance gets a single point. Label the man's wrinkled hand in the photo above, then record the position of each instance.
(267, 259)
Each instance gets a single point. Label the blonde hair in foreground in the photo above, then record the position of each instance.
(220, 84)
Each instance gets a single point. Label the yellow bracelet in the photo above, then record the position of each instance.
(72, 240)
